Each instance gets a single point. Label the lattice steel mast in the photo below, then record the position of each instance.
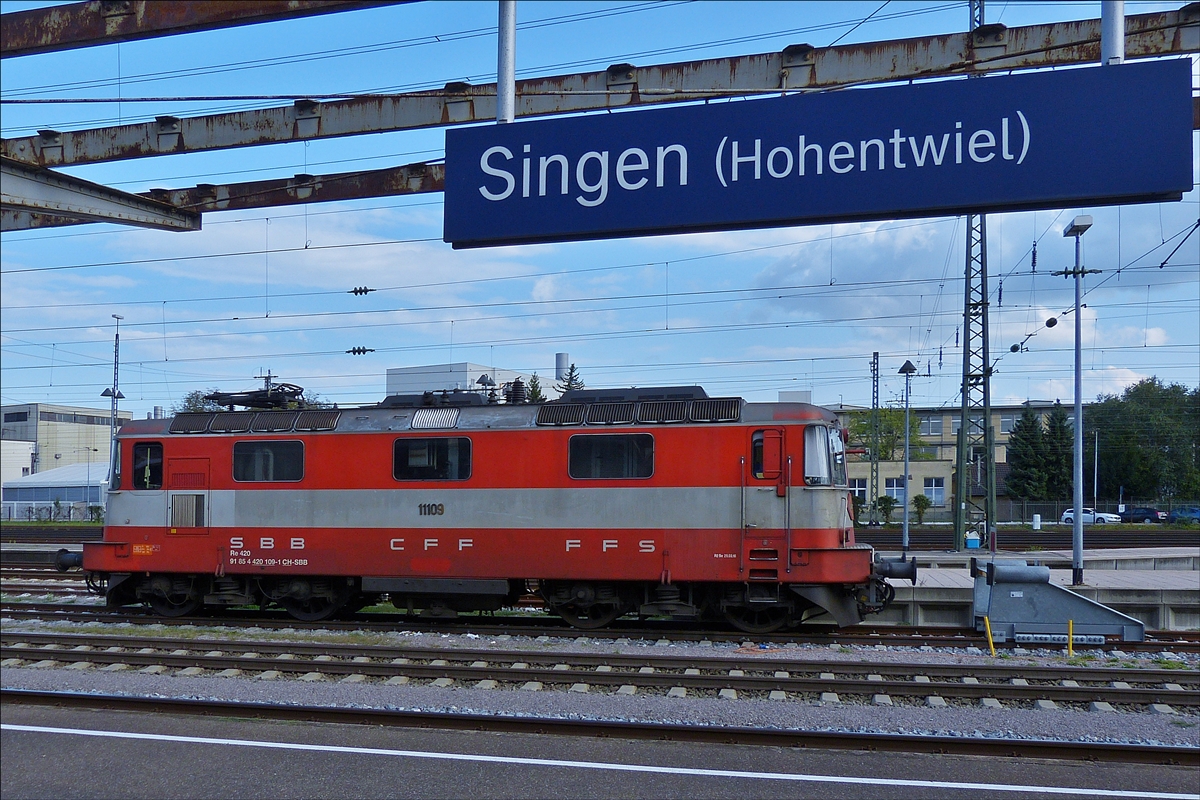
(976, 437)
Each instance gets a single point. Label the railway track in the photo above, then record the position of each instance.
(548, 626)
(757, 736)
(730, 676)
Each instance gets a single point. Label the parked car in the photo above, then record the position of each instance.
(1090, 517)
(1143, 514)
(1186, 515)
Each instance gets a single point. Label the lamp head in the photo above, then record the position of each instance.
(1078, 225)
(908, 368)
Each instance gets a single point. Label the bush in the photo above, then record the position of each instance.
(921, 504)
(886, 505)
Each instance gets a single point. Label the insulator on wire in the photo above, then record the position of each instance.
(1000, 295)
(360, 290)
(1033, 258)
(360, 351)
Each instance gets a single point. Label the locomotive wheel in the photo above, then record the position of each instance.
(174, 605)
(312, 609)
(589, 618)
(767, 619)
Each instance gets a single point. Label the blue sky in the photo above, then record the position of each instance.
(747, 313)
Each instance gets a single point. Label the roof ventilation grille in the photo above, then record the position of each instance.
(190, 423)
(560, 414)
(610, 414)
(718, 409)
(662, 411)
(274, 421)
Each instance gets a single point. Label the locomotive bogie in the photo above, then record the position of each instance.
(685, 508)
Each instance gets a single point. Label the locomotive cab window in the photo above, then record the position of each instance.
(268, 461)
(611, 456)
(441, 459)
(147, 465)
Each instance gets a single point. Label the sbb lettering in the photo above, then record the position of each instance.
(429, 543)
(465, 543)
(297, 543)
(396, 544)
(236, 542)
(646, 546)
(608, 544)
(266, 543)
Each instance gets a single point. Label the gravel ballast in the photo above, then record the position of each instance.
(605, 703)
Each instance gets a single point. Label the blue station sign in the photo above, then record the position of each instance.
(1094, 136)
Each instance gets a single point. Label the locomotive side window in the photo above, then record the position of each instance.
(147, 465)
(837, 457)
(766, 454)
(268, 461)
(442, 459)
(611, 456)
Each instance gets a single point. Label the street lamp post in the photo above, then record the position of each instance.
(907, 371)
(1077, 228)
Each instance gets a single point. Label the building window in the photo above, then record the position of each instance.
(858, 487)
(147, 465)
(441, 459)
(935, 490)
(17, 416)
(1008, 422)
(894, 488)
(611, 456)
(268, 461)
(931, 426)
(956, 423)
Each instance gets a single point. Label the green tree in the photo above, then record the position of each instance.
(921, 504)
(1027, 458)
(891, 434)
(571, 381)
(1149, 441)
(534, 392)
(1060, 449)
(860, 505)
(886, 505)
(195, 402)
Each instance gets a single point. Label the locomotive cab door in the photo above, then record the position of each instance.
(187, 496)
(764, 504)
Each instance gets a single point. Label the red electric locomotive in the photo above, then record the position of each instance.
(659, 501)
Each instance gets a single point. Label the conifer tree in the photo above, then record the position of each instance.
(533, 393)
(1027, 458)
(571, 381)
(1060, 448)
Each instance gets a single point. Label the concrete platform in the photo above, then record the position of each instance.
(1132, 558)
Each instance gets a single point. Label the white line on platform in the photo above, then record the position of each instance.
(600, 765)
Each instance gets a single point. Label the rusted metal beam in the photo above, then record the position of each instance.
(45, 30)
(390, 182)
(30, 192)
(796, 68)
